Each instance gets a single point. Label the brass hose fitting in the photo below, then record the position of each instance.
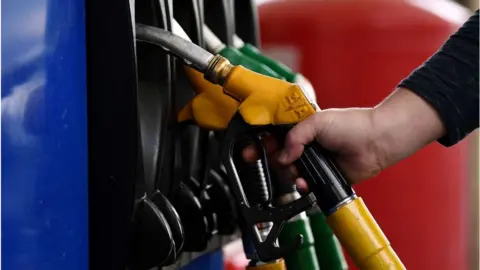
(218, 70)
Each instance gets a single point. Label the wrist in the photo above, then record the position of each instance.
(403, 124)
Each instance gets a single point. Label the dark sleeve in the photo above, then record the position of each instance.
(449, 82)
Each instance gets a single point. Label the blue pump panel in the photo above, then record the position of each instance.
(44, 206)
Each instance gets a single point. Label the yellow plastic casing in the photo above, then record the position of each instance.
(266, 100)
(362, 238)
(210, 108)
(275, 265)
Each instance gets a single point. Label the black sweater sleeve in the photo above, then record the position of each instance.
(449, 82)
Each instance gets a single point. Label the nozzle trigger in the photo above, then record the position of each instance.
(256, 210)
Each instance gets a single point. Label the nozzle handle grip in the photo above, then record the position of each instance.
(324, 179)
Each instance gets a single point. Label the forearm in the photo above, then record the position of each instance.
(405, 123)
(448, 81)
(438, 101)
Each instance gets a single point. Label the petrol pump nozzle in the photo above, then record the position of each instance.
(304, 258)
(272, 105)
(328, 251)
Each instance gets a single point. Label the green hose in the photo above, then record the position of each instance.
(329, 252)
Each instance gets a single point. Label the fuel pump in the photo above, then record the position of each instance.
(328, 250)
(270, 105)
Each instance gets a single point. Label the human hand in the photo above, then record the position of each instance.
(350, 134)
(364, 141)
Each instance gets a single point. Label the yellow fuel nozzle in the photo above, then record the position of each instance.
(264, 100)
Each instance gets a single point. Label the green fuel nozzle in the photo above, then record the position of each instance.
(329, 251)
(281, 69)
(304, 258)
(236, 57)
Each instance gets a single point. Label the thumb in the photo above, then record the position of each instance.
(300, 135)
